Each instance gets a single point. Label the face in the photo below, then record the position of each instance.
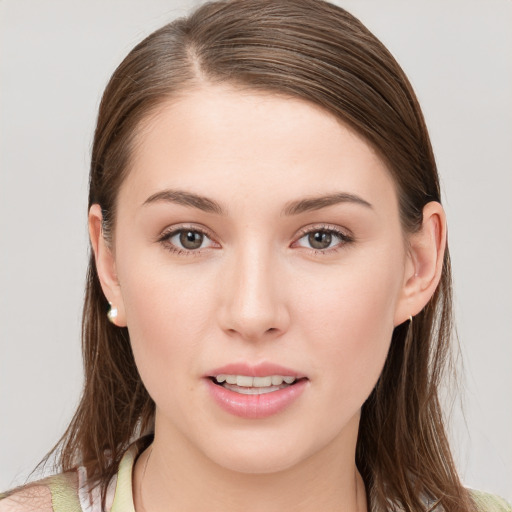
(257, 238)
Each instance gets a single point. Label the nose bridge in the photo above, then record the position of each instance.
(253, 305)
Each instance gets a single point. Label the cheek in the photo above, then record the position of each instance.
(350, 323)
(168, 316)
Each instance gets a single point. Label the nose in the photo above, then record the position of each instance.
(253, 305)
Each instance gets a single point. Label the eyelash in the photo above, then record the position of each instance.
(345, 239)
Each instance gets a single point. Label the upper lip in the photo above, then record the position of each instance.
(255, 370)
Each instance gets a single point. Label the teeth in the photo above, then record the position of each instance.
(243, 381)
(277, 380)
(261, 382)
(254, 382)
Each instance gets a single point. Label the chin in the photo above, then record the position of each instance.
(264, 460)
(250, 452)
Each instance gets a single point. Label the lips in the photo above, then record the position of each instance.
(255, 391)
(258, 370)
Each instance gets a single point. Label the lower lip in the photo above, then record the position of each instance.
(255, 406)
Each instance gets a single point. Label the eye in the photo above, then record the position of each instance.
(323, 239)
(186, 240)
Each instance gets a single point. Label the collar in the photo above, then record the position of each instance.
(123, 495)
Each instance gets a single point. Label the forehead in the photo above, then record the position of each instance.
(246, 145)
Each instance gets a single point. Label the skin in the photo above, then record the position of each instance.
(257, 291)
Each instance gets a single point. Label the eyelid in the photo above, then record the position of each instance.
(324, 227)
(182, 227)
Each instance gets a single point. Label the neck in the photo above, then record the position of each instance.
(171, 475)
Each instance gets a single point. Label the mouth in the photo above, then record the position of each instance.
(255, 391)
(247, 385)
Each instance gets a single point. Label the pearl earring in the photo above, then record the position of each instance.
(112, 313)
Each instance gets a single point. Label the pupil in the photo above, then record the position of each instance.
(320, 239)
(191, 239)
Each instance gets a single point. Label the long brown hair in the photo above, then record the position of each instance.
(316, 51)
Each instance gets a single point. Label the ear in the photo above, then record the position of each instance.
(105, 264)
(424, 263)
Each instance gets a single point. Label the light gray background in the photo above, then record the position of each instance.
(55, 59)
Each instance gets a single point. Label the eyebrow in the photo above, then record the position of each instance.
(186, 199)
(319, 202)
(291, 208)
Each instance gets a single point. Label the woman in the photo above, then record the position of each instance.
(268, 302)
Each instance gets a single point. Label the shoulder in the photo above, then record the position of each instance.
(34, 497)
(486, 502)
(57, 493)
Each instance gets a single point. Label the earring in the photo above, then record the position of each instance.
(408, 335)
(112, 313)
